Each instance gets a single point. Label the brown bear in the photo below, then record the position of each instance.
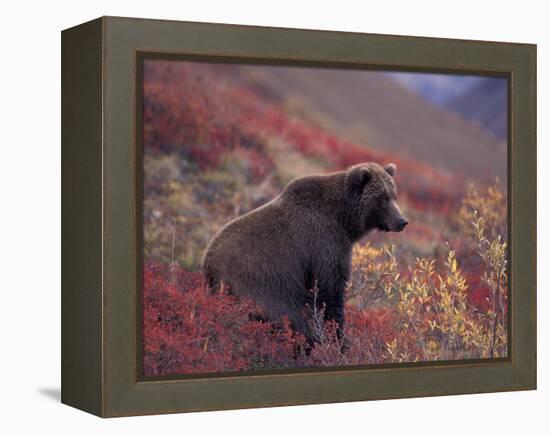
(277, 253)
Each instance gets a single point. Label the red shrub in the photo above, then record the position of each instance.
(478, 291)
(186, 329)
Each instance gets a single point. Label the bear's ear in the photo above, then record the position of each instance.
(358, 177)
(390, 169)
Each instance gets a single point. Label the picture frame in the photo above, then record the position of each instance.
(101, 216)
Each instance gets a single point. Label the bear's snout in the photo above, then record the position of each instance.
(401, 224)
(395, 220)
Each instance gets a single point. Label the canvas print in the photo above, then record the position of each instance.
(299, 217)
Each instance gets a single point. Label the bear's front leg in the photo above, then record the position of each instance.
(334, 311)
(331, 286)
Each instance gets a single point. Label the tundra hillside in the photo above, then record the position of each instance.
(219, 142)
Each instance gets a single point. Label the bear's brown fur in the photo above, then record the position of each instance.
(277, 253)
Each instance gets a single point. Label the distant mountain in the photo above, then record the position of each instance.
(486, 103)
(482, 100)
(436, 88)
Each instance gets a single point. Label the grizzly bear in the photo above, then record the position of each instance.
(303, 239)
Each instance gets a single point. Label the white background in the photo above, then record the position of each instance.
(30, 215)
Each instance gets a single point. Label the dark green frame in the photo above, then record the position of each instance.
(101, 224)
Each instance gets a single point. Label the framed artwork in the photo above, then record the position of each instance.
(259, 216)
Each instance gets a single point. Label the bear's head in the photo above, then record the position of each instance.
(373, 198)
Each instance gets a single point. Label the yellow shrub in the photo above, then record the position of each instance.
(434, 318)
(490, 204)
(374, 275)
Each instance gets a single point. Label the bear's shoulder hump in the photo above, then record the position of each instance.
(307, 187)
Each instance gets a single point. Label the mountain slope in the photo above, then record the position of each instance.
(372, 108)
(486, 103)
